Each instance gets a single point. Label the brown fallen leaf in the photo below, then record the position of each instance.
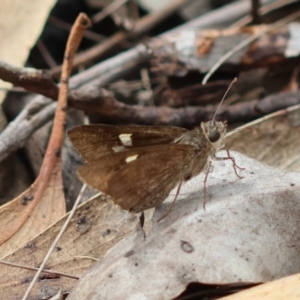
(273, 140)
(97, 226)
(22, 219)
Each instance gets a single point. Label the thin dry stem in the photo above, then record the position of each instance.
(10, 264)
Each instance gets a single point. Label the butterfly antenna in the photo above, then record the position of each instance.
(232, 82)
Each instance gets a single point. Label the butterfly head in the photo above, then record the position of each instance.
(214, 132)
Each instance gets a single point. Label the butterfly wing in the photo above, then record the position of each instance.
(95, 141)
(141, 178)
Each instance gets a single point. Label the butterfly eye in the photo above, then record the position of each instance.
(214, 136)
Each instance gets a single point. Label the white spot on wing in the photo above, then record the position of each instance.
(118, 148)
(125, 138)
(131, 158)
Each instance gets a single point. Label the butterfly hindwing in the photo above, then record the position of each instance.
(132, 179)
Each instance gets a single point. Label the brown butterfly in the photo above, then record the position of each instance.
(138, 166)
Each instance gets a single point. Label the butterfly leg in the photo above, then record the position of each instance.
(233, 163)
(171, 206)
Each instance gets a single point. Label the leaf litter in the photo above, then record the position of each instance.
(96, 227)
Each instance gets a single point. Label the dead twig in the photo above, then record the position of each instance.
(113, 111)
(108, 10)
(33, 116)
(37, 81)
(122, 64)
(46, 54)
(88, 34)
(141, 26)
(254, 109)
(11, 264)
(33, 80)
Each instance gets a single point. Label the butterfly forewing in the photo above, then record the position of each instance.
(135, 184)
(95, 141)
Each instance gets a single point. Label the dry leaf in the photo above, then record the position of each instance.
(97, 225)
(248, 233)
(20, 225)
(273, 139)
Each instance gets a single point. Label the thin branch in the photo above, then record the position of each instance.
(108, 10)
(110, 69)
(46, 54)
(113, 111)
(143, 25)
(11, 264)
(88, 34)
(33, 80)
(34, 115)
